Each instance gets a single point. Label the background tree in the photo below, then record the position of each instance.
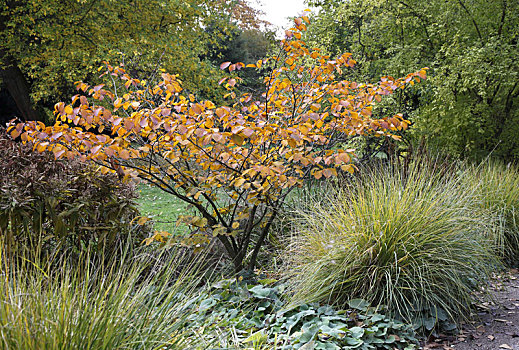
(248, 46)
(247, 40)
(470, 105)
(47, 45)
(234, 164)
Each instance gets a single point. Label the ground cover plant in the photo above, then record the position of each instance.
(236, 314)
(409, 240)
(234, 164)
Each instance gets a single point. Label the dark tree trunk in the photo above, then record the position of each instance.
(18, 88)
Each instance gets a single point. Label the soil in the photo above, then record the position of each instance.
(496, 325)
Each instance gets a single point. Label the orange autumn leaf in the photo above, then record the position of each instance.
(233, 160)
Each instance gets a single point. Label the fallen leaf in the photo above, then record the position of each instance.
(491, 337)
(505, 346)
(433, 345)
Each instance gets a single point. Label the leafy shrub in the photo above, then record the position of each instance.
(409, 240)
(496, 187)
(256, 315)
(133, 302)
(234, 164)
(56, 205)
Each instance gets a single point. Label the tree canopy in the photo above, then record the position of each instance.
(470, 104)
(47, 45)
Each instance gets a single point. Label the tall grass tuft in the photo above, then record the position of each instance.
(496, 187)
(135, 302)
(408, 240)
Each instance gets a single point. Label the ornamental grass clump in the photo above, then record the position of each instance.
(136, 302)
(496, 187)
(409, 240)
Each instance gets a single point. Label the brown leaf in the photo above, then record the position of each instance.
(225, 65)
(248, 132)
(124, 154)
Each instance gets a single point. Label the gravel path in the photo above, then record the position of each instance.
(497, 327)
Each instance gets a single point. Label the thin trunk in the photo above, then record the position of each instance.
(261, 239)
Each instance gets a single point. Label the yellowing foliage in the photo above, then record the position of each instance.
(235, 164)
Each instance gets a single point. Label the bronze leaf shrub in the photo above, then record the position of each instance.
(57, 206)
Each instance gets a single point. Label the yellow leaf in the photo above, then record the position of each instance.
(235, 225)
(220, 112)
(196, 108)
(225, 65)
(41, 147)
(59, 153)
(142, 220)
(237, 139)
(344, 157)
(209, 123)
(239, 182)
(209, 105)
(348, 167)
(15, 133)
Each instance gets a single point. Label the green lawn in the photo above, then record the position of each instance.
(162, 207)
